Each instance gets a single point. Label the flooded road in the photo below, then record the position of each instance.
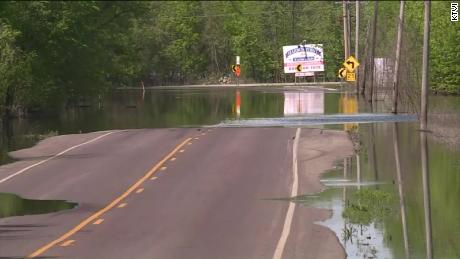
(392, 229)
(395, 229)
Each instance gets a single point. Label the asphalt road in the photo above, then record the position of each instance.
(164, 193)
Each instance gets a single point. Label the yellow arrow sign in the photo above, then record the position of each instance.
(342, 72)
(299, 67)
(351, 64)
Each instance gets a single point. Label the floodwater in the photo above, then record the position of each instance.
(13, 205)
(160, 108)
(380, 210)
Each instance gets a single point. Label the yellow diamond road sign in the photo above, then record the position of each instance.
(351, 64)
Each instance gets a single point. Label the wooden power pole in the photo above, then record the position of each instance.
(398, 55)
(357, 43)
(426, 49)
(371, 58)
(349, 27)
(423, 133)
(365, 59)
(345, 30)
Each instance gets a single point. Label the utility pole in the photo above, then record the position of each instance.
(366, 59)
(345, 30)
(398, 55)
(293, 20)
(426, 49)
(348, 27)
(374, 38)
(423, 133)
(357, 43)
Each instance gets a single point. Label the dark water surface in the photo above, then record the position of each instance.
(161, 108)
(395, 201)
(378, 210)
(13, 205)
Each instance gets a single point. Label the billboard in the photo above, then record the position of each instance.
(303, 58)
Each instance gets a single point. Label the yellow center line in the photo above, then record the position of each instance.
(67, 243)
(139, 190)
(122, 205)
(97, 222)
(99, 213)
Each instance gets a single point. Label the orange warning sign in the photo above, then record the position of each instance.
(237, 70)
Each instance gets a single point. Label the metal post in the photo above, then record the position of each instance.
(374, 38)
(398, 55)
(426, 46)
(357, 44)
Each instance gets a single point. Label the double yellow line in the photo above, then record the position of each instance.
(99, 213)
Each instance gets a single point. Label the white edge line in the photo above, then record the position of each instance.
(290, 212)
(48, 159)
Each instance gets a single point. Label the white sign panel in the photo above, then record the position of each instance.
(303, 58)
(301, 74)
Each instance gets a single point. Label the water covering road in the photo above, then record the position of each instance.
(231, 107)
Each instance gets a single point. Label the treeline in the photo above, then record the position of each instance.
(54, 53)
(444, 48)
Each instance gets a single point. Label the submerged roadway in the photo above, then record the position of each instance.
(174, 193)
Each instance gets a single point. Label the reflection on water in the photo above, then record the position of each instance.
(412, 229)
(348, 105)
(303, 103)
(402, 203)
(13, 205)
(159, 108)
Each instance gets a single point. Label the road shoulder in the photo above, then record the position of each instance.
(318, 151)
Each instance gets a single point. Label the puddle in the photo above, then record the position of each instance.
(13, 205)
(357, 214)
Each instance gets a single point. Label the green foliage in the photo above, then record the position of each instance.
(445, 50)
(74, 46)
(368, 205)
(56, 52)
